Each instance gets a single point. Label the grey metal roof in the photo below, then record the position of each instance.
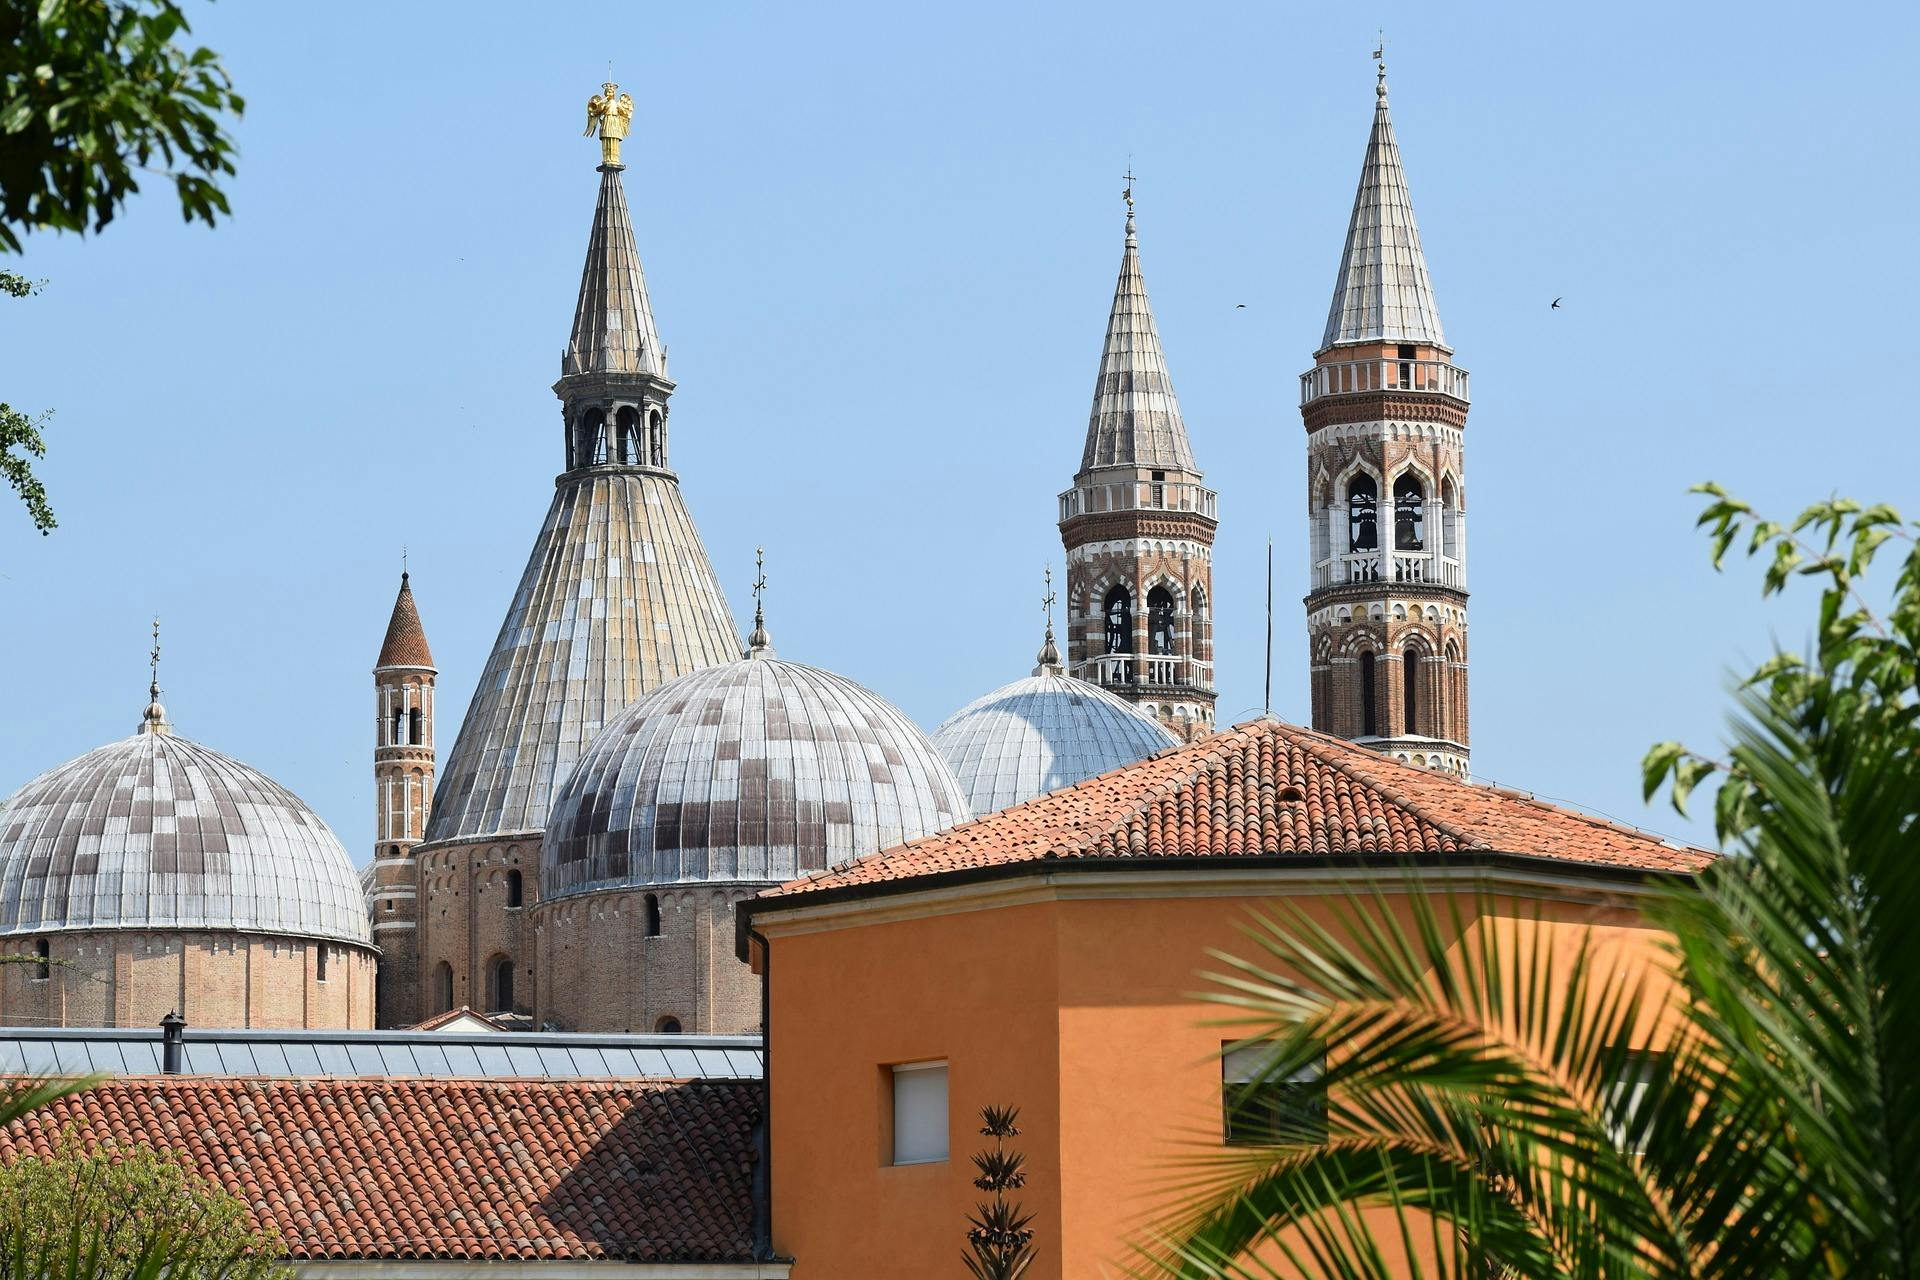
(757, 771)
(1136, 418)
(613, 321)
(1040, 734)
(1383, 293)
(158, 832)
(618, 596)
(485, 1055)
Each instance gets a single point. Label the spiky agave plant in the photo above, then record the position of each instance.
(997, 1230)
(1504, 1101)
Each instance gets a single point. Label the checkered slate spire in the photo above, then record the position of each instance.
(613, 321)
(1136, 418)
(1383, 293)
(618, 595)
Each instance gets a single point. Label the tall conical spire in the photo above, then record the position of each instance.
(1383, 293)
(1136, 419)
(406, 642)
(613, 321)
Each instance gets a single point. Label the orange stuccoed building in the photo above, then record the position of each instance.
(1047, 957)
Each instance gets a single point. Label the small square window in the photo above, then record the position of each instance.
(1258, 1109)
(920, 1113)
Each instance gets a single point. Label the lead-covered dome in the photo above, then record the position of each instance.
(1040, 734)
(758, 770)
(158, 832)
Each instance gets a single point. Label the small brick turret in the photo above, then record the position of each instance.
(403, 678)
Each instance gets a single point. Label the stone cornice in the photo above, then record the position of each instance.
(1374, 406)
(1116, 526)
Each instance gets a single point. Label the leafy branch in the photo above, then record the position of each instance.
(1864, 661)
(92, 91)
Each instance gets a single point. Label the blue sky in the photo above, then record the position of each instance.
(881, 242)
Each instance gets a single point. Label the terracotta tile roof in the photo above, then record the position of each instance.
(651, 1171)
(1263, 788)
(406, 642)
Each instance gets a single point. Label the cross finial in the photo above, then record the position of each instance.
(1380, 60)
(155, 718)
(403, 560)
(1127, 195)
(1048, 662)
(759, 644)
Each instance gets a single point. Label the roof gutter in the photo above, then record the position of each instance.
(1489, 860)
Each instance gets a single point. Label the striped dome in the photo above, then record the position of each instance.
(1040, 734)
(757, 771)
(158, 832)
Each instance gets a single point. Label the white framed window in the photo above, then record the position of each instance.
(920, 1113)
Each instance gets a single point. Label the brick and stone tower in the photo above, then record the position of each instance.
(617, 597)
(1386, 413)
(1138, 527)
(402, 796)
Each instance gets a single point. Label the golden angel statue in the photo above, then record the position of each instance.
(611, 112)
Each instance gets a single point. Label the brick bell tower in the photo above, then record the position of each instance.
(1138, 528)
(1386, 414)
(402, 793)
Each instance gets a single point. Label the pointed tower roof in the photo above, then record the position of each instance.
(406, 642)
(613, 321)
(618, 595)
(1383, 293)
(1136, 419)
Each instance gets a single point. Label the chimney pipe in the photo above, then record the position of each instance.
(173, 1029)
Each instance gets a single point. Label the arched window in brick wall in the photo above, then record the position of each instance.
(1409, 513)
(442, 987)
(1200, 637)
(1451, 678)
(416, 726)
(42, 960)
(514, 889)
(1159, 621)
(1369, 723)
(656, 439)
(1449, 519)
(502, 984)
(1410, 681)
(653, 915)
(1363, 513)
(1119, 615)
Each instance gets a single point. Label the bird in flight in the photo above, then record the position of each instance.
(1555, 306)
(1239, 306)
